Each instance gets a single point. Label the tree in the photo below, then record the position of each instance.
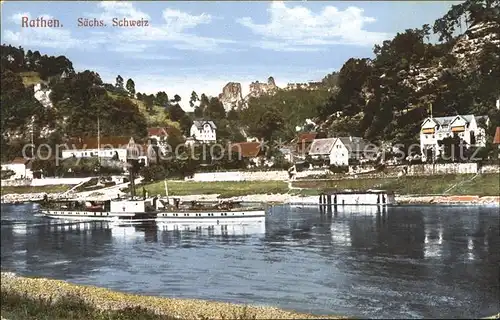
(176, 99)
(232, 115)
(161, 99)
(453, 149)
(119, 82)
(199, 110)
(214, 110)
(185, 123)
(194, 98)
(175, 112)
(474, 11)
(131, 88)
(18, 104)
(153, 173)
(149, 102)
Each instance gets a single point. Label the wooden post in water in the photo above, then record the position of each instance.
(321, 202)
(329, 201)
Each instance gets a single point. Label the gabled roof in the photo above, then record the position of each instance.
(20, 160)
(92, 143)
(163, 131)
(322, 146)
(354, 143)
(309, 137)
(496, 139)
(444, 121)
(200, 123)
(247, 149)
(157, 131)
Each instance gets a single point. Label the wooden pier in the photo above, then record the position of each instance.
(329, 201)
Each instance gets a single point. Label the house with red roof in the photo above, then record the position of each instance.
(161, 134)
(253, 152)
(496, 139)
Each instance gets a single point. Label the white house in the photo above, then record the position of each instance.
(340, 150)
(21, 168)
(108, 148)
(159, 136)
(203, 131)
(467, 127)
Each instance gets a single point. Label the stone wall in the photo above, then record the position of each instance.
(442, 168)
(16, 183)
(56, 181)
(252, 175)
(490, 168)
(411, 170)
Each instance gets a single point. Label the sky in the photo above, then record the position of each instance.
(201, 46)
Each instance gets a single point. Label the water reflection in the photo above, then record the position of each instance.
(409, 262)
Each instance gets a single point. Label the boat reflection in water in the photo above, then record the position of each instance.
(217, 229)
(167, 231)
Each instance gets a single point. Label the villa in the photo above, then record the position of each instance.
(340, 151)
(470, 129)
(203, 131)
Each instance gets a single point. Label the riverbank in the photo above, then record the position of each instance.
(286, 198)
(446, 189)
(54, 299)
(487, 184)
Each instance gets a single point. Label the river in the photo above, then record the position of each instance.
(407, 262)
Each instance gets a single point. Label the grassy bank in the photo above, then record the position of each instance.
(16, 306)
(40, 189)
(224, 188)
(36, 298)
(482, 185)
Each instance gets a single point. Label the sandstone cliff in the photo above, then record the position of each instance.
(259, 88)
(466, 51)
(231, 96)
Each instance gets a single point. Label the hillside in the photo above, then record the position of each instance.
(44, 94)
(154, 118)
(383, 98)
(386, 98)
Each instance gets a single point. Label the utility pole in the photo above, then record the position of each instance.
(99, 146)
(32, 137)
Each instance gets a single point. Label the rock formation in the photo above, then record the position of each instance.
(259, 88)
(466, 50)
(43, 95)
(469, 45)
(231, 96)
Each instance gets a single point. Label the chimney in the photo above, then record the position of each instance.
(498, 103)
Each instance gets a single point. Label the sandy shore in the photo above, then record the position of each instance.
(104, 299)
(285, 198)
